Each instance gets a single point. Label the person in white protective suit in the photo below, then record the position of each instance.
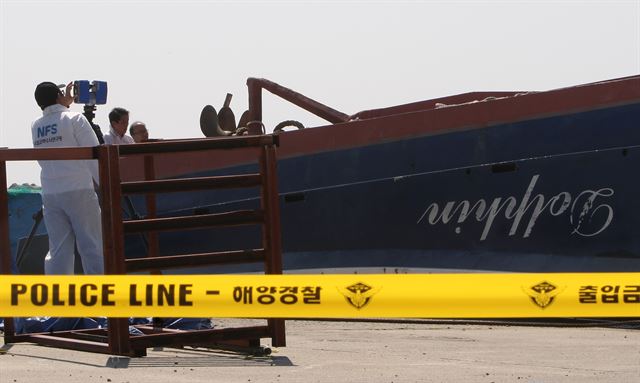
(71, 208)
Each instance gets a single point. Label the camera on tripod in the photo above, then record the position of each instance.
(90, 93)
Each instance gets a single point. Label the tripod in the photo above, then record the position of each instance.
(89, 113)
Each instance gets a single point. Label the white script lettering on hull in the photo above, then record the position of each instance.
(586, 206)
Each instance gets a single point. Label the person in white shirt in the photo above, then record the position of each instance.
(71, 208)
(119, 121)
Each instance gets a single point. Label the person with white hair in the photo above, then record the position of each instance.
(138, 131)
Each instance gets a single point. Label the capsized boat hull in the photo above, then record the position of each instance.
(549, 192)
(559, 213)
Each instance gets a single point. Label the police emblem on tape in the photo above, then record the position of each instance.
(542, 294)
(358, 295)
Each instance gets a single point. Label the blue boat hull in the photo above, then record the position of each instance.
(547, 200)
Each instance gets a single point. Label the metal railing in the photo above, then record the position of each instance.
(116, 340)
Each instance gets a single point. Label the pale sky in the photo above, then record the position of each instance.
(165, 60)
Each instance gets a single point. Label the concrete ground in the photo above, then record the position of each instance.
(334, 351)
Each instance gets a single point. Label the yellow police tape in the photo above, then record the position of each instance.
(324, 296)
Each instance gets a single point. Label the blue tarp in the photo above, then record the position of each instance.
(48, 324)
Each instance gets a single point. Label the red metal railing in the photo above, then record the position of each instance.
(116, 339)
(255, 86)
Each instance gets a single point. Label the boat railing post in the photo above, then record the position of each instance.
(105, 202)
(113, 238)
(255, 105)
(323, 111)
(271, 236)
(150, 199)
(5, 245)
